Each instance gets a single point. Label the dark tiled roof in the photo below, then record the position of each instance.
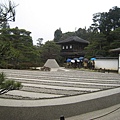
(115, 50)
(74, 38)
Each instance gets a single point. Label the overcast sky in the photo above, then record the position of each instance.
(43, 17)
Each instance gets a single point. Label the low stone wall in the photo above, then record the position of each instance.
(55, 111)
(111, 64)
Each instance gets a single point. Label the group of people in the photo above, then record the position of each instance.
(87, 64)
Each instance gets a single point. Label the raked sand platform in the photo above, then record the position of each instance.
(48, 95)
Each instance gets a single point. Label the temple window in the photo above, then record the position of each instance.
(66, 47)
(70, 46)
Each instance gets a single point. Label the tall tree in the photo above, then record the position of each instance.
(114, 37)
(114, 16)
(57, 35)
(39, 42)
(97, 47)
(82, 33)
(107, 21)
(66, 35)
(17, 47)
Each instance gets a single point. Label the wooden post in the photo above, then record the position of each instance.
(62, 117)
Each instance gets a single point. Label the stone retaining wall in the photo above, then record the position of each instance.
(54, 112)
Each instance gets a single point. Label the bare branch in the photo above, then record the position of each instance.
(7, 12)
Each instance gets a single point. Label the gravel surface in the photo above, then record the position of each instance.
(42, 85)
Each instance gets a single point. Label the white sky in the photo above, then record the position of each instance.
(43, 17)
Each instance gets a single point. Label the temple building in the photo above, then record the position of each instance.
(73, 47)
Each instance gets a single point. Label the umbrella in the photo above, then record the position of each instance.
(81, 58)
(93, 59)
(72, 61)
(85, 59)
(68, 60)
(75, 59)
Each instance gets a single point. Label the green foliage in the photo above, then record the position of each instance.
(57, 35)
(2, 78)
(98, 46)
(104, 33)
(82, 33)
(39, 44)
(66, 35)
(11, 85)
(16, 48)
(107, 21)
(114, 36)
(114, 40)
(17, 85)
(50, 50)
(8, 84)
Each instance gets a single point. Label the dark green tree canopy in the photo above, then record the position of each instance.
(103, 34)
(114, 38)
(107, 21)
(16, 47)
(50, 50)
(57, 35)
(39, 40)
(66, 35)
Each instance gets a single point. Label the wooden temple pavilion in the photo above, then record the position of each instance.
(73, 47)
